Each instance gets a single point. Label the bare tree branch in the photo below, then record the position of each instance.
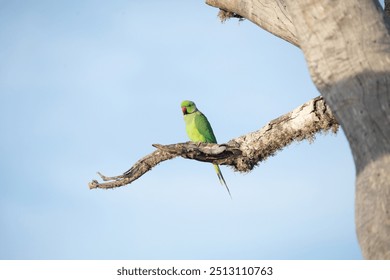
(242, 153)
(139, 168)
(270, 15)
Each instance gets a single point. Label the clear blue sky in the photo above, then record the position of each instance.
(88, 86)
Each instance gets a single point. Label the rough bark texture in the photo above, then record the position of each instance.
(140, 168)
(242, 153)
(372, 208)
(270, 15)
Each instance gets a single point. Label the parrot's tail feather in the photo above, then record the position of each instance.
(221, 179)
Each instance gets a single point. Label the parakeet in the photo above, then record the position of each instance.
(199, 129)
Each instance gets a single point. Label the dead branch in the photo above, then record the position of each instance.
(272, 15)
(242, 153)
(139, 168)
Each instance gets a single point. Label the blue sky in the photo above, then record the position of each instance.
(88, 86)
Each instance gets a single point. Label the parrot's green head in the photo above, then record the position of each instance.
(188, 107)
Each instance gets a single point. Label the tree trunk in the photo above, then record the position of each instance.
(347, 48)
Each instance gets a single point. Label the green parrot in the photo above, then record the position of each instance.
(199, 130)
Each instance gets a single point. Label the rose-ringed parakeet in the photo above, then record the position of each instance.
(199, 130)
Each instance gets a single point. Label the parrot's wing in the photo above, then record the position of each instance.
(204, 128)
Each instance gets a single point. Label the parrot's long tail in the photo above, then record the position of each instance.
(221, 179)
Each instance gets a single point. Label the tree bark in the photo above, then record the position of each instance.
(270, 15)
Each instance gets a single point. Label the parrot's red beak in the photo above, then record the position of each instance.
(184, 109)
